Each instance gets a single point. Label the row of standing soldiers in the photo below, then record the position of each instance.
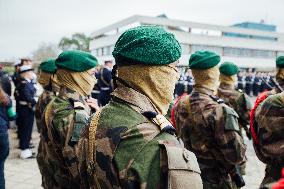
(129, 143)
(252, 83)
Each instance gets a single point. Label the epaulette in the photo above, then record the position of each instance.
(161, 121)
(217, 99)
(78, 105)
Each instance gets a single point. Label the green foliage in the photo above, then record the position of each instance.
(78, 41)
(8, 69)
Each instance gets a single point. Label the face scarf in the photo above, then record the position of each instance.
(44, 78)
(229, 80)
(208, 79)
(55, 83)
(156, 82)
(81, 82)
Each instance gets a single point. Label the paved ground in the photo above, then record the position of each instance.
(24, 174)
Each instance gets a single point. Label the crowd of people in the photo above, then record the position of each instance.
(251, 82)
(116, 126)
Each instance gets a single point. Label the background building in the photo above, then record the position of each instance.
(246, 44)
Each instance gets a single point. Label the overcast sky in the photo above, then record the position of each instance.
(24, 24)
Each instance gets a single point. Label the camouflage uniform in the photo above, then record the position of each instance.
(237, 100)
(130, 151)
(269, 129)
(41, 104)
(210, 129)
(63, 120)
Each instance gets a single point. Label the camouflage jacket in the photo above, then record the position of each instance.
(210, 129)
(131, 151)
(269, 118)
(41, 104)
(237, 100)
(63, 119)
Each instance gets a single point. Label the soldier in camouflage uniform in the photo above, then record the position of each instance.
(48, 81)
(236, 99)
(64, 118)
(209, 127)
(267, 129)
(130, 144)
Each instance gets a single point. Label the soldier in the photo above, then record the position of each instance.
(269, 121)
(266, 123)
(190, 81)
(179, 86)
(249, 82)
(257, 84)
(48, 80)
(64, 118)
(236, 99)
(137, 147)
(105, 83)
(25, 110)
(241, 80)
(209, 127)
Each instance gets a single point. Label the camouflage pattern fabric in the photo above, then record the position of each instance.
(269, 118)
(240, 102)
(41, 104)
(237, 100)
(63, 120)
(210, 129)
(130, 150)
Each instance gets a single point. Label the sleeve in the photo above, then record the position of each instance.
(227, 135)
(181, 117)
(107, 75)
(245, 107)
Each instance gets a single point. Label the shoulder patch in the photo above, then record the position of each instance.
(78, 105)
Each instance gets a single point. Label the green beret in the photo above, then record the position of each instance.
(149, 45)
(203, 60)
(77, 61)
(280, 62)
(48, 66)
(229, 68)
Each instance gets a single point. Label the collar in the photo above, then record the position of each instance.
(142, 104)
(134, 98)
(227, 86)
(67, 93)
(202, 90)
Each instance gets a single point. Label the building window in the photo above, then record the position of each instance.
(215, 49)
(239, 52)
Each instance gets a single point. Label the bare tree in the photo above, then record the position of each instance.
(45, 51)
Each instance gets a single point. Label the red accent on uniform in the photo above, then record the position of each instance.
(260, 98)
(173, 109)
(280, 183)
